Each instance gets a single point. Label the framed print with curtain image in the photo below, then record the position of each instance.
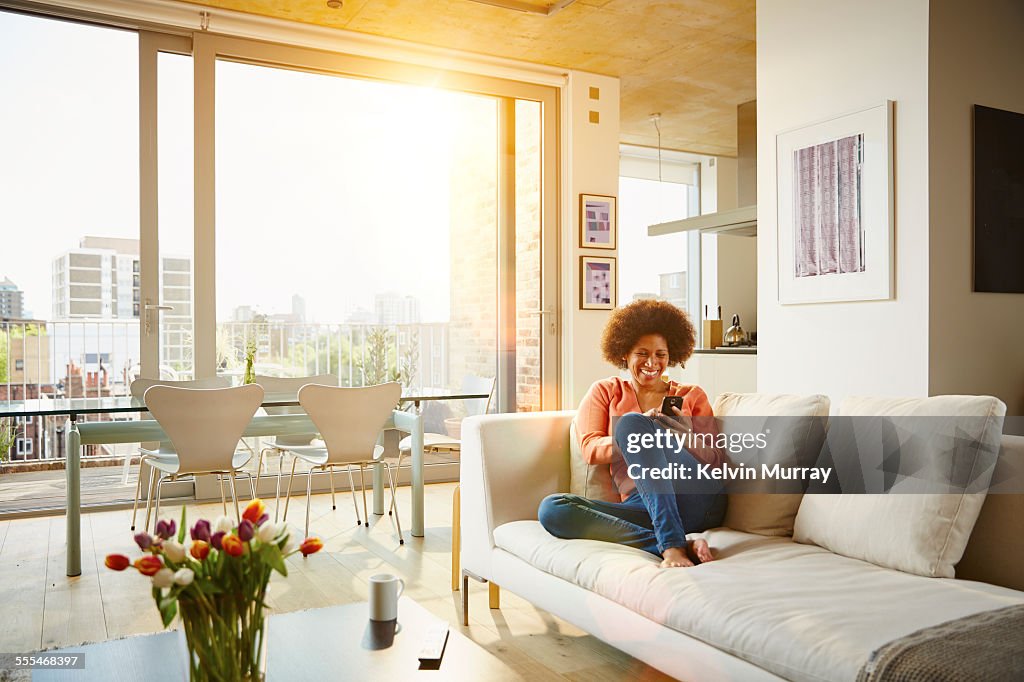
(835, 209)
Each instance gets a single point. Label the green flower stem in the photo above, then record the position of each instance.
(225, 631)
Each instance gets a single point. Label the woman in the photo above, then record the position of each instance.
(620, 424)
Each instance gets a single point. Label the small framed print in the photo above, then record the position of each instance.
(598, 221)
(597, 283)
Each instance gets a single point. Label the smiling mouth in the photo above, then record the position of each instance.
(650, 373)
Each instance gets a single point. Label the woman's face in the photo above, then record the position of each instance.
(648, 360)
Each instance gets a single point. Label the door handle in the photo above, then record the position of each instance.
(151, 308)
(542, 313)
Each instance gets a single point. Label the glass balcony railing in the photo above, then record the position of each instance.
(100, 358)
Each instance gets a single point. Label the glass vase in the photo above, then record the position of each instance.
(224, 634)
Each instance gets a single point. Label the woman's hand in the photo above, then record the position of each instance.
(677, 421)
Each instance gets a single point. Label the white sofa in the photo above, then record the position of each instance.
(768, 608)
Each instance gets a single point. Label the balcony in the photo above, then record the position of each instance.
(98, 358)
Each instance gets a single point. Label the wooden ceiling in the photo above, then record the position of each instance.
(693, 61)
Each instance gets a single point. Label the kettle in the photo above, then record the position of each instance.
(735, 336)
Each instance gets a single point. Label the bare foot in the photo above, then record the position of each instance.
(701, 549)
(675, 557)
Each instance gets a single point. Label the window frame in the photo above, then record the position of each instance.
(208, 48)
(666, 165)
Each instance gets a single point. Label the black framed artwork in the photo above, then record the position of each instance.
(998, 200)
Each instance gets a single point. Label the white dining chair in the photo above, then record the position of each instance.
(433, 442)
(204, 426)
(137, 389)
(349, 421)
(281, 386)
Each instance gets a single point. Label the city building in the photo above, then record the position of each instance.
(392, 308)
(11, 300)
(673, 288)
(100, 281)
(359, 315)
(27, 349)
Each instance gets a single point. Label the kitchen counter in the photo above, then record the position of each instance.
(728, 350)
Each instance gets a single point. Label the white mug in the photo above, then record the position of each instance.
(385, 589)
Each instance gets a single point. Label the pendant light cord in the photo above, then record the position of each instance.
(658, 128)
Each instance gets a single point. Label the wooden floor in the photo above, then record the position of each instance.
(42, 608)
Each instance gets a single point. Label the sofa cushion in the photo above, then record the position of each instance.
(796, 429)
(796, 610)
(920, 533)
(593, 481)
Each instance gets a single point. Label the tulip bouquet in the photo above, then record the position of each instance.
(217, 585)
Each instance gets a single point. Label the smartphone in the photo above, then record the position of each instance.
(669, 402)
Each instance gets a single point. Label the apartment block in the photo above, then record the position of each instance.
(11, 300)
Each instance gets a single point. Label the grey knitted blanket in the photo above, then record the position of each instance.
(986, 647)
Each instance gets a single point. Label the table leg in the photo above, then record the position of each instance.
(378, 488)
(417, 476)
(73, 444)
(378, 483)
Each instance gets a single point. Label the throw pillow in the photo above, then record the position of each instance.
(916, 532)
(593, 481)
(795, 428)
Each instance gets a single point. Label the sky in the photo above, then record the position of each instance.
(327, 187)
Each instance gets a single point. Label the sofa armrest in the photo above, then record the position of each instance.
(995, 551)
(509, 463)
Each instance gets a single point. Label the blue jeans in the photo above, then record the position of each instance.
(656, 516)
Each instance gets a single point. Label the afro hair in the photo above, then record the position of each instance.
(640, 318)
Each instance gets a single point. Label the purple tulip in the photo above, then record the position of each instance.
(216, 538)
(265, 517)
(143, 540)
(201, 531)
(166, 529)
(246, 530)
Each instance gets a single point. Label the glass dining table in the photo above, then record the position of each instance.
(78, 433)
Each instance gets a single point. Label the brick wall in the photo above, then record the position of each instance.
(473, 330)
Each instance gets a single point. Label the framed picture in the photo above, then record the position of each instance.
(598, 221)
(597, 283)
(835, 209)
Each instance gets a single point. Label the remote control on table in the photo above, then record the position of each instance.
(434, 643)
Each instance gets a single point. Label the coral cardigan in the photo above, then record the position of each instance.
(614, 397)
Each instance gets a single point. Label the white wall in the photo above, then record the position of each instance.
(737, 280)
(592, 167)
(717, 193)
(977, 339)
(818, 59)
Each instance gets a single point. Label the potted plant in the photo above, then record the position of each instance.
(217, 586)
(8, 437)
